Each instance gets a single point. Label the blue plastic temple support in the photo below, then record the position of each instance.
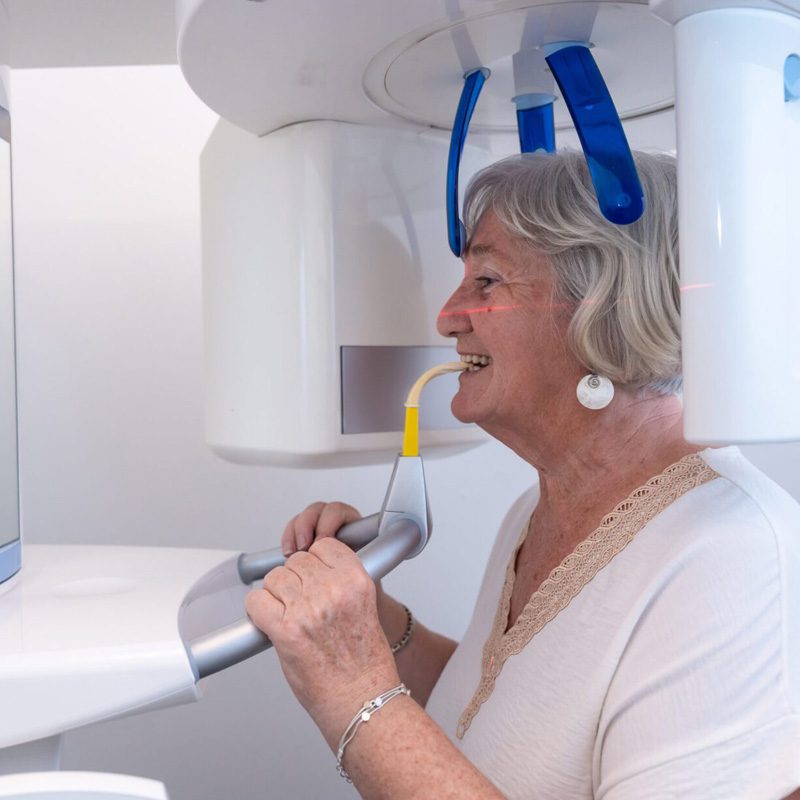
(473, 83)
(791, 78)
(535, 123)
(608, 156)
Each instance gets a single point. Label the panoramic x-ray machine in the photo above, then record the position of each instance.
(347, 130)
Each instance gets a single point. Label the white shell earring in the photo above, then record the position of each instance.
(595, 391)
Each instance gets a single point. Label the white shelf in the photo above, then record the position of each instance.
(88, 633)
(79, 786)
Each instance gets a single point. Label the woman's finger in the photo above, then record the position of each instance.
(333, 517)
(264, 610)
(318, 521)
(299, 531)
(284, 584)
(335, 554)
(306, 567)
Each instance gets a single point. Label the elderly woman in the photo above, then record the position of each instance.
(637, 633)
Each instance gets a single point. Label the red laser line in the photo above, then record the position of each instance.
(481, 310)
(696, 286)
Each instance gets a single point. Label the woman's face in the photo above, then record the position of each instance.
(505, 308)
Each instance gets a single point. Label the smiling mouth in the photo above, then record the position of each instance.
(476, 361)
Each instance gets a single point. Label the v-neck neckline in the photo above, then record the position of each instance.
(565, 581)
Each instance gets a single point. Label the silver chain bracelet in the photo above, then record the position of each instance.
(364, 714)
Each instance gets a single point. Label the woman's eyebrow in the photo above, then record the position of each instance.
(479, 249)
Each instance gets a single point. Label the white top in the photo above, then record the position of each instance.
(669, 668)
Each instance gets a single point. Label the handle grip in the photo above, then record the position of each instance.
(254, 566)
(227, 646)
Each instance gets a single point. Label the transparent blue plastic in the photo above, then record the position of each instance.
(473, 83)
(10, 559)
(536, 129)
(791, 78)
(608, 156)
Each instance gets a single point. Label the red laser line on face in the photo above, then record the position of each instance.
(481, 310)
(690, 287)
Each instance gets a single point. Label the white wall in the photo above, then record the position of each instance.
(110, 366)
(111, 424)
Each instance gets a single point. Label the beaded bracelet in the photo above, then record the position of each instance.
(411, 624)
(364, 713)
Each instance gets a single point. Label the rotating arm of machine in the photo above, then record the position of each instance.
(399, 531)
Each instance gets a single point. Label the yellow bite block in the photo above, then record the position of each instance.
(411, 433)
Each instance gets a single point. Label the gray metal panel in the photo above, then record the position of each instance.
(5, 125)
(91, 33)
(376, 380)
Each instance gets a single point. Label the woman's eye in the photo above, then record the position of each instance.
(484, 282)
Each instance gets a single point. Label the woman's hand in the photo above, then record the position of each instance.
(422, 661)
(322, 521)
(318, 521)
(320, 612)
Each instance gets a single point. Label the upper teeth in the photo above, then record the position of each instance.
(476, 360)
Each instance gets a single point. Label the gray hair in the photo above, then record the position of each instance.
(622, 280)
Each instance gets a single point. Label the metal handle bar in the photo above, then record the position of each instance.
(253, 566)
(236, 642)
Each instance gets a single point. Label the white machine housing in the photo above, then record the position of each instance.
(739, 203)
(325, 264)
(739, 175)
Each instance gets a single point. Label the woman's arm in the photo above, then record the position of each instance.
(421, 661)
(402, 754)
(320, 612)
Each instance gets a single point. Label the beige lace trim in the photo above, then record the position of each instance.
(577, 569)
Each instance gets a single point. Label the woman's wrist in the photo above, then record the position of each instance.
(363, 715)
(392, 616)
(333, 715)
(411, 624)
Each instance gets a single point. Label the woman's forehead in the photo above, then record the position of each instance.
(490, 234)
(492, 242)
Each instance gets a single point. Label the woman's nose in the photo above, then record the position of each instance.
(454, 317)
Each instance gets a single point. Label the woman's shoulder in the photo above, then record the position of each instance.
(721, 552)
(750, 495)
(736, 507)
(708, 600)
(724, 558)
(740, 514)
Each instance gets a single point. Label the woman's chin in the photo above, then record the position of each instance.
(464, 411)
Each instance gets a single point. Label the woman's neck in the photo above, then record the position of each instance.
(589, 460)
